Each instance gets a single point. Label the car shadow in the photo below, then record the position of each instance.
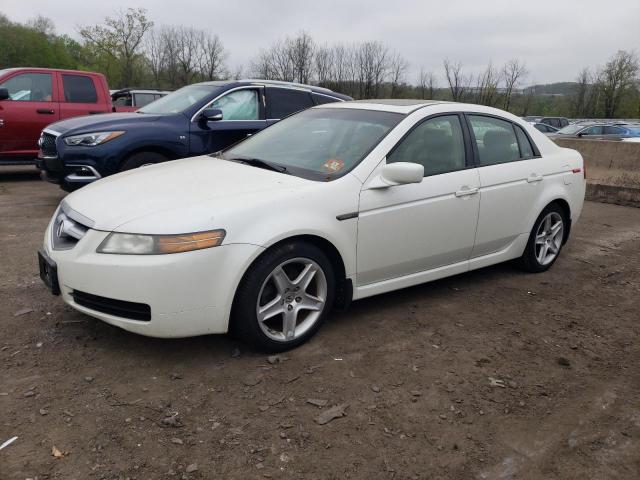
(218, 348)
(20, 173)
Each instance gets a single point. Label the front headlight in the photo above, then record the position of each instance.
(136, 244)
(91, 139)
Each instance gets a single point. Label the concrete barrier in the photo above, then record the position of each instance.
(613, 169)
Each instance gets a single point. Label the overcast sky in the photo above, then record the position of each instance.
(555, 38)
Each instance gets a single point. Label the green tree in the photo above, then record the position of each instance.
(121, 38)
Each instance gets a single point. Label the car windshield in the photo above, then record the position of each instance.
(179, 100)
(320, 143)
(570, 129)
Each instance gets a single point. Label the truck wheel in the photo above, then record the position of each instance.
(141, 159)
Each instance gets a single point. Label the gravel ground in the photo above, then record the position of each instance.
(494, 374)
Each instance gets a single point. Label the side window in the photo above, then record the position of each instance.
(597, 130)
(282, 102)
(79, 89)
(30, 87)
(238, 105)
(496, 140)
(526, 150)
(143, 99)
(437, 144)
(613, 131)
(123, 101)
(322, 99)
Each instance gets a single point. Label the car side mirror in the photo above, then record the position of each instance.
(399, 173)
(4, 94)
(212, 114)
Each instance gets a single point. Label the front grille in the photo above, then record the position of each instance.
(66, 231)
(117, 308)
(48, 145)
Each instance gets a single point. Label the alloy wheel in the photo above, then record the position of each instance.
(549, 238)
(291, 299)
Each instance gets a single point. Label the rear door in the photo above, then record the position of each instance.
(32, 106)
(282, 102)
(511, 178)
(80, 95)
(242, 114)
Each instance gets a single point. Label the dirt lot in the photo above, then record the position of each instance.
(493, 374)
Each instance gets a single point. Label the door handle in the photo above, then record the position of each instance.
(535, 178)
(46, 111)
(466, 191)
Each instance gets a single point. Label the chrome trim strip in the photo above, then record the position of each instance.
(78, 217)
(51, 132)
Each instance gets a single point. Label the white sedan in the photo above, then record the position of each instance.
(336, 203)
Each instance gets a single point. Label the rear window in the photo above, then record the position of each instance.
(143, 99)
(79, 89)
(282, 102)
(526, 149)
(322, 99)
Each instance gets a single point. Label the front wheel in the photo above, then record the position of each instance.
(284, 297)
(545, 241)
(142, 159)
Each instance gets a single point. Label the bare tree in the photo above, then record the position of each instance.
(301, 49)
(42, 24)
(486, 91)
(398, 67)
(211, 60)
(426, 84)
(373, 64)
(458, 83)
(513, 73)
(121, 37)
(617, 77)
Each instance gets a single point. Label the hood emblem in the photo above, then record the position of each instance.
(60, 229)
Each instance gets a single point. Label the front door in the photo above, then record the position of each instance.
(406, 229)
(31, 107)
(242, 115)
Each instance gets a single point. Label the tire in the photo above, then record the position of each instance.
(142, 158)
(545, 241)
(274, 313)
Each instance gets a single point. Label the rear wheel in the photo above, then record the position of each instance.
(284, 297)
(545, 241)
(142, 159)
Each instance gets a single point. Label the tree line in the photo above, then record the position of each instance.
(131, 51)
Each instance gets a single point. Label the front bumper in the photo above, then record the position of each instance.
(188, 293)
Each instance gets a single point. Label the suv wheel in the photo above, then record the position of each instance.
(142, 159)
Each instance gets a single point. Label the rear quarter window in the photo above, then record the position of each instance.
(79, 89)
(282, 102)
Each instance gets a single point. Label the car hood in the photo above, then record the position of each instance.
(179, 196)
(102, 122)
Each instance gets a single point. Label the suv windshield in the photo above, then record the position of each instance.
(320, 143)
(179, 100)
(570, 129)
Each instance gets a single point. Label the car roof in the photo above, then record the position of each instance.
(275, 83)
(404, 106)
(139, 90)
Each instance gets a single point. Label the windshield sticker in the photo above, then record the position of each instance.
(333, 165)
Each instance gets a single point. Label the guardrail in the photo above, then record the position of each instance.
(613, 169)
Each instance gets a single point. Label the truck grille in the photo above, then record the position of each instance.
(111, 306)
(47, 145)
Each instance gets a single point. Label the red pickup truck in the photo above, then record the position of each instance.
(32, 98)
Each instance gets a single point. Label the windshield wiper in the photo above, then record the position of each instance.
(256, 162)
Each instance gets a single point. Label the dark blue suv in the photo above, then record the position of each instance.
(195, 120)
